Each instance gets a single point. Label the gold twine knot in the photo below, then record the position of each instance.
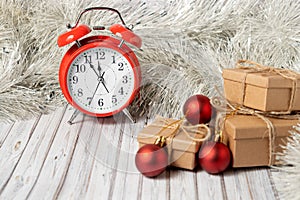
(178, 125)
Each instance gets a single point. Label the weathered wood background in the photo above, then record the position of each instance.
(46, 158)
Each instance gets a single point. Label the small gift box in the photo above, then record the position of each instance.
(254, 140)
(180, 140)
(263, 88)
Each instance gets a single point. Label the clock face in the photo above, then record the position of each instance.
(100, 80)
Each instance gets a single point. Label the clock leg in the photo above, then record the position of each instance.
(74, 115)
(127, 113)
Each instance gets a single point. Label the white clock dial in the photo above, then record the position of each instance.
(100, 80)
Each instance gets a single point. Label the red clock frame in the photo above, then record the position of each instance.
(98, 41)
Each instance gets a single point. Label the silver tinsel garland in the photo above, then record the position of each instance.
(287, 176)
(186, 43)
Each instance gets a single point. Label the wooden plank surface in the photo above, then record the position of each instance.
(5, 129)
(83, 160)
(12, 149)
(104, 172)
(51, 177)
(210, 186)
(32, 160)
(128, 180)
(46, 158)
(239, 179)
(183, 184)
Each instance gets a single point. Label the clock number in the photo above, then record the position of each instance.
(121, 66)
(125, 79)
(114, 59)
(100, 102)
(114, 99)
(121, 91)
(80, 68)
(88, 59)
(75, 79)
(80, 92)
(100, 55)
(89, 99)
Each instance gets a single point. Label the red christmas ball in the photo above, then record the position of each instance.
(197, 109)
(214, 157)
(151, 160)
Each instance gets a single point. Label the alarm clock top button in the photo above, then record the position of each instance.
(126, 35)
(73, 35)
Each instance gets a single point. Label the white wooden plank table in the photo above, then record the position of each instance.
(46, 158)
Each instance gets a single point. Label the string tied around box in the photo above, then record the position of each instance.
(230, 110)
(177, 126)
(253, 67)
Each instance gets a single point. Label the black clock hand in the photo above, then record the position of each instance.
(95, 92)
(99, 67)
(92, 66)
(103, 82)
(105, 87)
(100, 80)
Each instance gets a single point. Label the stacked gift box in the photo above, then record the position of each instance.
(274, 94)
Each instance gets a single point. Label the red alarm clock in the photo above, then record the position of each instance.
(99, 75)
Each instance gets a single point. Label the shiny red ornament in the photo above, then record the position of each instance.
(214, 157)
(197, 109)
(151, 160)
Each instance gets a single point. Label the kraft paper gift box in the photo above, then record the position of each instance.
(265, 91)
(248, 139)
(183, 150)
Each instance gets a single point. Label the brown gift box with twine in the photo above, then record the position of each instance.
(249, 140)
(182, 142)
(262, 88)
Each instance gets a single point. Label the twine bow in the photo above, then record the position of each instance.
(253, 67)
(178, 125)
